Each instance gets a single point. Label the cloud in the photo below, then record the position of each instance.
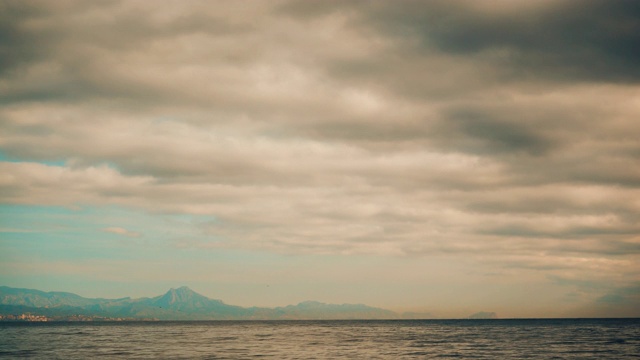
(555, 40)
(622, 295)
(618, 302)
(122, 231)
(503, 132)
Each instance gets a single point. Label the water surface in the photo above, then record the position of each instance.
(369, 339)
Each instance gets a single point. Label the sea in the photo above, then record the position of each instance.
(361, 339)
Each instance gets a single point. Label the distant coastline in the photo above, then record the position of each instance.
(176, 304)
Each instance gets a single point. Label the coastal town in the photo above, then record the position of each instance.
(24, 317)
(28, 317)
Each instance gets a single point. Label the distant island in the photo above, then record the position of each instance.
(176, 304)
(483, 315)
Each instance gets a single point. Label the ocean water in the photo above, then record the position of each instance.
(369, 339)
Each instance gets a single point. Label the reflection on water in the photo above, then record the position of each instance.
(480, 339)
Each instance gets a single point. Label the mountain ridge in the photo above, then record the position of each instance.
(176, 304)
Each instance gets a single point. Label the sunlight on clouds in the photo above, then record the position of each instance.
(122, 231)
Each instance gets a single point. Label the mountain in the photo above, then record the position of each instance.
(483, 315)
(183, 298)
(417, 315)
(176, 304)
(37, 298)
(322, 311)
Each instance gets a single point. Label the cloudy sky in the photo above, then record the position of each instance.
(438, 156)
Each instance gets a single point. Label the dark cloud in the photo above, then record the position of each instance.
(480, 133)
(564, 40)
(20, 42)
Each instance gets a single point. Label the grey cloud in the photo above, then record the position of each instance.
(72, 52)
(589, 285)
(622, 295)
(311, 9)
(605, 298)
(573, 232)
(534, 201)
(438, 51)
(486, 133)
(586, 40)
(336, 127)
(18, 42)
(619, 302)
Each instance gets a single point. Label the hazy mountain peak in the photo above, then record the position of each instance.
(184, 299)
(182, 290)
(311, 303)
(181, 295)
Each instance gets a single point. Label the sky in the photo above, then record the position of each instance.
(446, 157)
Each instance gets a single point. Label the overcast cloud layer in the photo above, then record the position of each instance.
(504, 133)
